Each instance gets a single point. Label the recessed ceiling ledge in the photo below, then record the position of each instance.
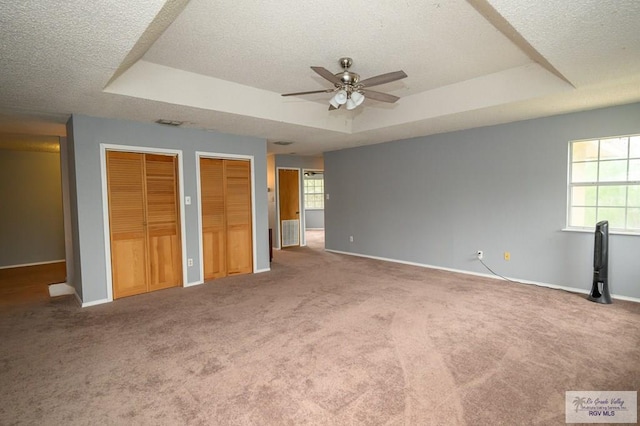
(504, 87)
(150, 81)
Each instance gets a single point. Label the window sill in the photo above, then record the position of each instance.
(591, 231)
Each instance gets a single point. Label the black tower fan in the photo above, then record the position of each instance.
(600, 288)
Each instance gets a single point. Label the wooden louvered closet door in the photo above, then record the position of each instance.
(213, 218)
(162, 222)
(125, 179)
(226, 217)
(144, 222)
(238, 212)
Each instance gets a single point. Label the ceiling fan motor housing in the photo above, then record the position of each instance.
(347, 78)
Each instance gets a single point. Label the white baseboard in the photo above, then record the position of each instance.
(461, 271)
(63, 289)
(94, 303)
(32, 264)
(627, 298)
(101, 301)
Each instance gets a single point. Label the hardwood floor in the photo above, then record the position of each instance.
(29, 283)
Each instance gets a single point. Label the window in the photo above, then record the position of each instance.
(313, 190)
(604, 183)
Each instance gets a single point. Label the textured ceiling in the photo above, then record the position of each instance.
(271, 48)
(222, 65)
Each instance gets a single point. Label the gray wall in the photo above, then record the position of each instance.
(74, 279)
(293, 162)
(314, 219)
(66, 208)
(85, 136)
(31, 220)
(436, 200)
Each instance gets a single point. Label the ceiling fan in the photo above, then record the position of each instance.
(349, 89)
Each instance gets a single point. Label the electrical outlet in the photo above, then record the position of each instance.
(507, 256)
(480, 254)
(189, 262)
(350, 238)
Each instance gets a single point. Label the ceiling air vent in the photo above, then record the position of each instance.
(283, 143)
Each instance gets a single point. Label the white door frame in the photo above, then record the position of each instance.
(105, 204)
(303, 200)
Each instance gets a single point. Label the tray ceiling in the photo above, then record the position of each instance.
(222, 65)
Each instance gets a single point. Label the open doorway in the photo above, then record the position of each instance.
(32, 231)
(289, 207)
(313, 202)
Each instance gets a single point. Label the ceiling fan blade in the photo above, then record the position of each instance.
(326, 74)
(383, 78)
(379, 96)
(331, 107)
(308, 93)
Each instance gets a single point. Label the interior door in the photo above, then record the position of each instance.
(214, 240)
(289, 197)
(163, 231)
(238, 215)
(126, 189)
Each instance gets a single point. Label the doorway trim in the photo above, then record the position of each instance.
(301, 236)
(104, 147)
(254, 249)
(304, 210)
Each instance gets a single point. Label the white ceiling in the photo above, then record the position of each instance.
(222, 65)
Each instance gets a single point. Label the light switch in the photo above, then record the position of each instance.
(187, 200)
(327, 196)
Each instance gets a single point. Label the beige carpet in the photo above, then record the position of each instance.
(315, 238)
(322, 339)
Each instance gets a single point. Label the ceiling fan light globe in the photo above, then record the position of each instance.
(341, 97)
(333, 102)
(357, 97)
(351, 104)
